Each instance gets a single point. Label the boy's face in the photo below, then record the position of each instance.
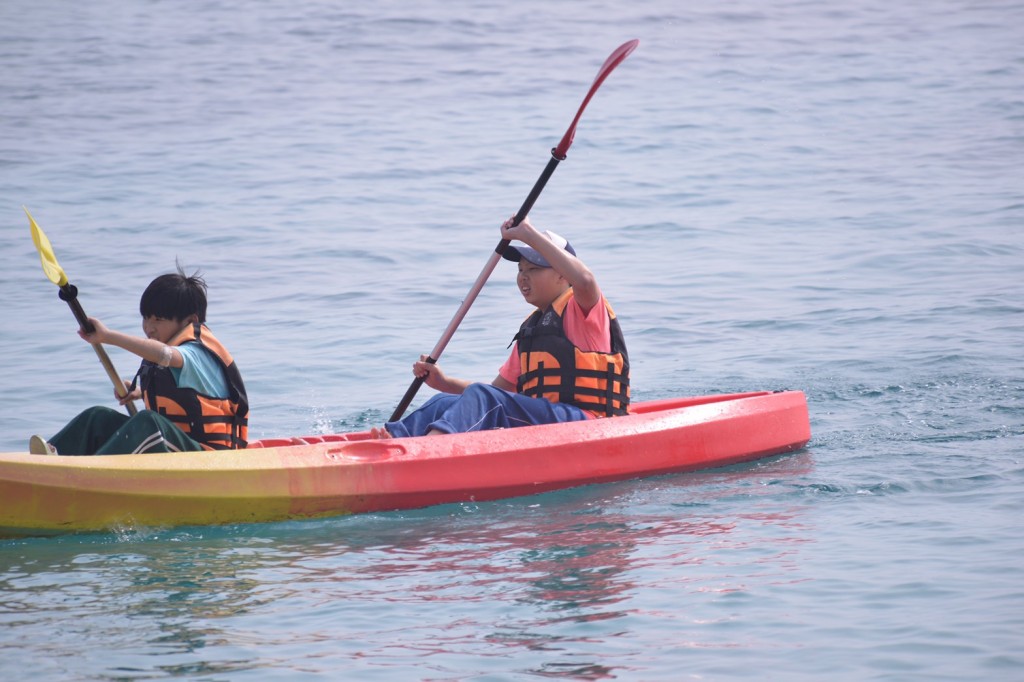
(539, 286)
(163, 329)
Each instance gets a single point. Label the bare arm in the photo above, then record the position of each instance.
(147, 349)
(434, 376)
(504, 384)
(583, 282)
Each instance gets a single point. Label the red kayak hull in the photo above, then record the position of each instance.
(316, 476)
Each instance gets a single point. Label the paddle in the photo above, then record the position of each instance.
(69, 293)
(557, 154)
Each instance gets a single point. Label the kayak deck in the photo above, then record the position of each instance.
(314, 476)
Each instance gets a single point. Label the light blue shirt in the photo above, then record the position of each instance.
(201, 371)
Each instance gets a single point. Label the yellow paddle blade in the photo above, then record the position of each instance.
(54, 272)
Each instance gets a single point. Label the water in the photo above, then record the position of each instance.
(814, 195)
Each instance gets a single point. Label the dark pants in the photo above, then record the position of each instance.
(103, 431)
(480, 408)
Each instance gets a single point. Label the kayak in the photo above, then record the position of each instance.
(327, 475)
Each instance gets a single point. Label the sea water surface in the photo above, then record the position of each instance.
(823, 196)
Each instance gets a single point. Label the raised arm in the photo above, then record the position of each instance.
(575, 271)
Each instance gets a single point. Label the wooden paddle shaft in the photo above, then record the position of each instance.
(69, 294)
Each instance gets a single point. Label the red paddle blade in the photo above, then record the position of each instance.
(614, 59)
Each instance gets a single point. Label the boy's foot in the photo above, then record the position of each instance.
(37, 445)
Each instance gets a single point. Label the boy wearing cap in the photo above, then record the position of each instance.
(568, 360)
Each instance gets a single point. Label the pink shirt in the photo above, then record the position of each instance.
(591, 332)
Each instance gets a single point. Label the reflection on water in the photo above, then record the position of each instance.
(147, 599)
(554, 574)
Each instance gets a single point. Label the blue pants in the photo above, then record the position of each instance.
(479, 408)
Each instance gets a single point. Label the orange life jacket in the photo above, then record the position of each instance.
(552, 367)
(215, 423)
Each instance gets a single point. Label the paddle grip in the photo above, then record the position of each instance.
(410, 394)
(69, 294)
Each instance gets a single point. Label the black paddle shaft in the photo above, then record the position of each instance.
(69, 294)
(538, 187)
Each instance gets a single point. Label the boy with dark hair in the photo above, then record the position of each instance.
(190, 384)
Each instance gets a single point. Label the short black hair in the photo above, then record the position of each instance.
(175, 296)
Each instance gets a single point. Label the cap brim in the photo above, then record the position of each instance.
(518, 253)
